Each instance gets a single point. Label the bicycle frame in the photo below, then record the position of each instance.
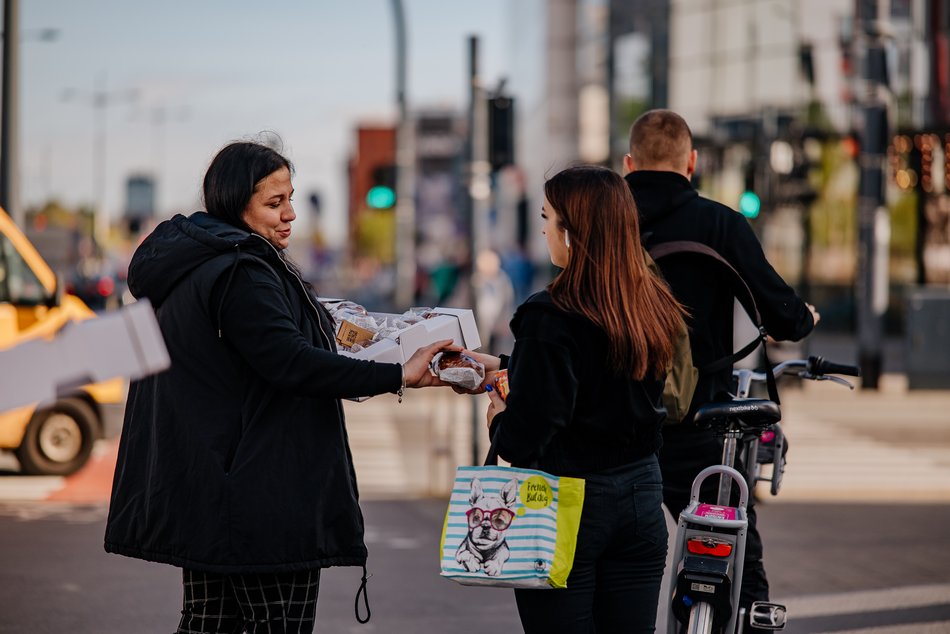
(703, 530)
(710, 545)
(744, 378)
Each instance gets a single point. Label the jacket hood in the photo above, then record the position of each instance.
(657, 193)
(177, 247)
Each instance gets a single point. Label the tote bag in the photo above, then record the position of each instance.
(510, 527)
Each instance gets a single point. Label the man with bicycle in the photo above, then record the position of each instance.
(658, 170)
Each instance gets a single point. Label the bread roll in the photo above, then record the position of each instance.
(458, 369)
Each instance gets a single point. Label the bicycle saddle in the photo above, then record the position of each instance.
(752, 412)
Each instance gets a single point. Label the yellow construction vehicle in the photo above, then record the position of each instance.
(51, 438)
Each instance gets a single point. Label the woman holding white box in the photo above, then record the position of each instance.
(234, 464)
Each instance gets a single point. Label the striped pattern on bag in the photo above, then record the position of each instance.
(535, 551)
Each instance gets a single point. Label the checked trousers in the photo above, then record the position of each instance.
(268, 603)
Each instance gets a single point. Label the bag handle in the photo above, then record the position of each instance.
(746, 299)
(491, 458)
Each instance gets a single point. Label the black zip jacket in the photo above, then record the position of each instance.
(567, 412)
(236, 458)
(670, 209)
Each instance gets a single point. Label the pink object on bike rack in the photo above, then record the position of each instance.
(716, 512)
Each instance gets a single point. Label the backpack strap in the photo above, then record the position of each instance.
(742, 293)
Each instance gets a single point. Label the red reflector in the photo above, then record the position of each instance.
(709, 547)
(105, 286)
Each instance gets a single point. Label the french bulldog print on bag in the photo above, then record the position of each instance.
(490, 515)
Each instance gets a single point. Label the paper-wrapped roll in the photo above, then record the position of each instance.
(458, 369)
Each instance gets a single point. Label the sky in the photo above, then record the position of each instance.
(181, 78)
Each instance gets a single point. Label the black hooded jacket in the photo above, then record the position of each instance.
(671, 209)
(236, 459)
(568, 413)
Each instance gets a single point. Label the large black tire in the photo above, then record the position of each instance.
(58, 439)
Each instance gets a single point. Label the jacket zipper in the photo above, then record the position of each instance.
(302, 288)
(339, 404)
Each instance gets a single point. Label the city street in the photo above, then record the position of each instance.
(173, 200)
(853, 542)
(840, 568)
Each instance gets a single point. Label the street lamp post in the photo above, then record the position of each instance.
(10, 107)
(478, 182)
(9, 144)
(159, 117)
(100, 99)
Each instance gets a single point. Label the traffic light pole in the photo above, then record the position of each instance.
(478, 181)
(873, 221)
(405, 291)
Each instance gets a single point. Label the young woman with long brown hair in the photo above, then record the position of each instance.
(586, 378)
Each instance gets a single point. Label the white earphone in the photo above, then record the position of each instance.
(567, 240)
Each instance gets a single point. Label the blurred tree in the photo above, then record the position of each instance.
(834, 215)
(628, 111)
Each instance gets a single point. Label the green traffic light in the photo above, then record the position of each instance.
(749, 204)
(380, 197)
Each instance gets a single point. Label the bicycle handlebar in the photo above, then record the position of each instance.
(814, 367)
(819, 365)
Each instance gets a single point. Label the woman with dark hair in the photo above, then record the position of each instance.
(234, 463)
(586, 381)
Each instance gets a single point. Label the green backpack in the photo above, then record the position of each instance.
(682, 376)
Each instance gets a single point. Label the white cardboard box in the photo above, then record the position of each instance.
(457, 324)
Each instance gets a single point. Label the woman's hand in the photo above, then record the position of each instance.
(490, 361)
(416, 369)
(488, 380)
(492, 365)
(496, 406)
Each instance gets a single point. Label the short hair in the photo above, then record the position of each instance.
(660, 138)
(233, 176)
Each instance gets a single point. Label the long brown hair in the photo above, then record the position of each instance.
(606, 278)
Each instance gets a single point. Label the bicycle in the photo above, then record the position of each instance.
(710, 538)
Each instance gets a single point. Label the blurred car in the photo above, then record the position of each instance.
(100, 284)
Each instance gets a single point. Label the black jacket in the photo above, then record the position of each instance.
(236, 458)
(567, 412)
(670, 209)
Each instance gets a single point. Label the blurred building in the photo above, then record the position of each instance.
(439, 145)
(773, 92)
(638, 59)
(546, 83)
(442, 241)
(921, 152)
(440, 225)
(372, 173)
